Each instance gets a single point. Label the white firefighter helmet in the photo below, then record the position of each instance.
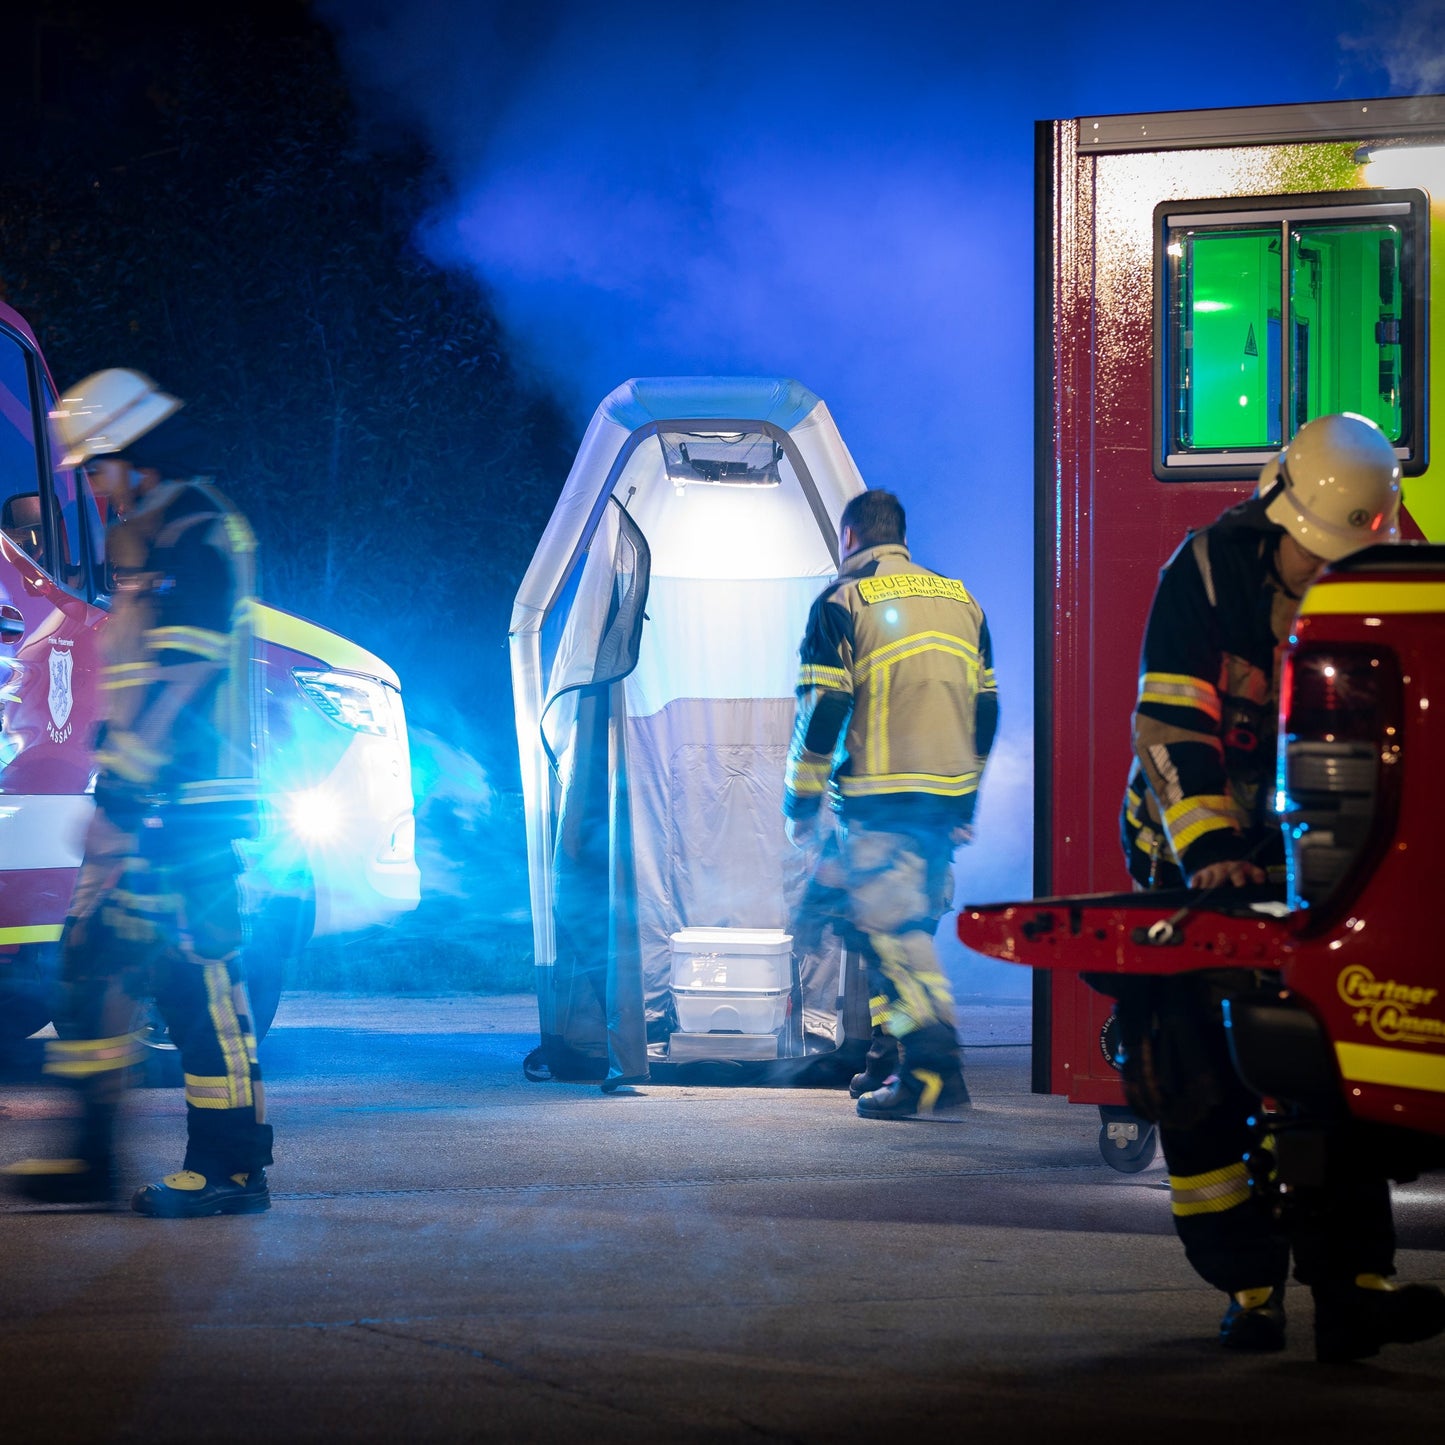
(107, 411)
(1336, 487)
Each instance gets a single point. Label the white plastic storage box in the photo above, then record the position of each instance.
(732, 980)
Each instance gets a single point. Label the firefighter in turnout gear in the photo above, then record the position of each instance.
(1198, 811)
(897, 710)
(156, 909)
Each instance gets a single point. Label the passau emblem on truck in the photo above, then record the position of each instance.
(61, 696)
(1390, 1008)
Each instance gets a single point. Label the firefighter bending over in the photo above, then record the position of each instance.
(1198, 810)
(897, 710)
(155, 909)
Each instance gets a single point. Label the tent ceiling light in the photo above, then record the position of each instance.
(721, 459)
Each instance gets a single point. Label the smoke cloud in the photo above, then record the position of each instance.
(833, 192)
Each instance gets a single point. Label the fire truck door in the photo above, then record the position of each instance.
(49, 633)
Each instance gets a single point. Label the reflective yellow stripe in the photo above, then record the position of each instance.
(814, 675)
(237, 1046)
(209, 1092)
(1406, 1068)
(912, 645)
(1331, 598)
(127, 755)
(958, 786)
(197, 640)
(878, 664)
(1178, 689)
(81, 1058)
(1193, 817)
(807, 776)
(127, 674)
(1210, 1193)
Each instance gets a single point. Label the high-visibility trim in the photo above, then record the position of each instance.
(1336, 597)
(958, 786)
(237, 1050)
(910, 646)
(83, 1058)
(295, 633)
(1404, 1068)
(32, 933)
(126, 754)
(1179, 689)
(127, 674)
(878, 1010)
(205, 1091)
(199, 641)
(891, 587)
(1193, 817)
(877, 665)
(813, 674)
(1212, 1193)
(807, 776)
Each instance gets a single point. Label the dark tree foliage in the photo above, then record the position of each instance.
(190, 193)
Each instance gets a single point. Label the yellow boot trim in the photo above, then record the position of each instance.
(932, 1088)
(186, 1180)
(24, 1168)
(1374, 1281)
(1211, 1193)
(1252, 1299)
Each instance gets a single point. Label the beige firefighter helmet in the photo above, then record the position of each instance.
(1336, 487)
(107, 411)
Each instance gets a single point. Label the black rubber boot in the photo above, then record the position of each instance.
(188, 1195)
(879, 1066)
(86, 1177)
(62, 1181)
(1252, 1324)
(914, 1092)
(1352, 1321)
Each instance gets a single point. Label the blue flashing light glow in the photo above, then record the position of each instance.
(314, 815)
(891, 616)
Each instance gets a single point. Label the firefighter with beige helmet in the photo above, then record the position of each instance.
(1198, 811)
(156, 907)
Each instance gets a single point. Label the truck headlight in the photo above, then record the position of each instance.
(314, 815)
(360, 703)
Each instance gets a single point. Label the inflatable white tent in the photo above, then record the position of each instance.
(654, 658)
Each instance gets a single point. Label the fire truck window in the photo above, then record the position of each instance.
(19, 499)
(1276, 309)
(1347, 340)
(1226, 313)
(80, 537)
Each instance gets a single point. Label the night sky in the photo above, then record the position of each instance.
(838, 193)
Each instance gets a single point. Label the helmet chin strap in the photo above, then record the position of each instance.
(1275, 489)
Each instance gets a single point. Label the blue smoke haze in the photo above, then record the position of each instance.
(838, 193)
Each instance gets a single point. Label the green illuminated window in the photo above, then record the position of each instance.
(1275, 311)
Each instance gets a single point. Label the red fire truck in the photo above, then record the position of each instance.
(1207, 281)
(337, 847)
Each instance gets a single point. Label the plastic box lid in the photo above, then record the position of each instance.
(732, 940)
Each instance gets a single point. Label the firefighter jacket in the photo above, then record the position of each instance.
(897, 700)
(177, 674)
(1201, 790)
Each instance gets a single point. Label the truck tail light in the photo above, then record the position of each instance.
(1339, 766)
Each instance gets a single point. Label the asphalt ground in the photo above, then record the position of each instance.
(457, 1254)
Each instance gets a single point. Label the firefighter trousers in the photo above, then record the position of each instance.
(900, 883)
(172, 930)
(1225, 1216)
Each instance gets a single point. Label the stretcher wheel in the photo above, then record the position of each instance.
(1127, 1143)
